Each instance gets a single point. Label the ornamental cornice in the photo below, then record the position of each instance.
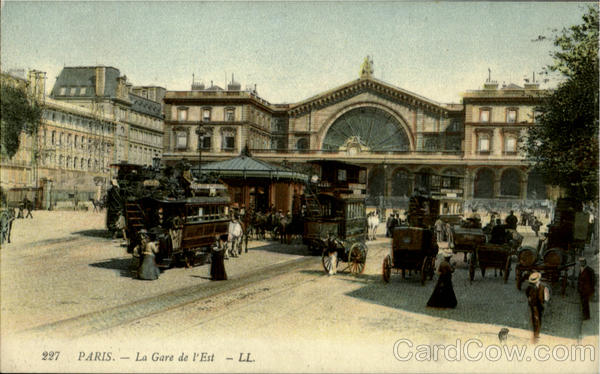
(366, 85)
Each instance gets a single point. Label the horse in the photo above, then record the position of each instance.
(234, 238)
(372, 224)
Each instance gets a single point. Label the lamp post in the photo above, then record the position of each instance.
(200, 132)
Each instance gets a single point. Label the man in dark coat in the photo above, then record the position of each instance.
(388, 226)
(499, 235)
(511, 221)
(586, 285)
(537, 296)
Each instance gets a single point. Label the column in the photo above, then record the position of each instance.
(496, 184)
(523, 186)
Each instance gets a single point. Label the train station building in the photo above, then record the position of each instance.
(405, 140)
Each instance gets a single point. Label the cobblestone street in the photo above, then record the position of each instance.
(65, 284)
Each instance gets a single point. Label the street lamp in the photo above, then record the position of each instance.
(200, 132)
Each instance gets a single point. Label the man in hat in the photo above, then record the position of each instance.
(511, 220)
(537, 296)
(585, 286)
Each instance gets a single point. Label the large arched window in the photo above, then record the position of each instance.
(368, 128)
(484, 184)
(510, 183)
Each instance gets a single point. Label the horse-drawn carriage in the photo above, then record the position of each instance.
(346, 221)
(470, 239)
(414, 248)
(337, 212)
(184, 216)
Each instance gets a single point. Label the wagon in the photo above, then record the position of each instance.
(552, 264)
(185, 228)
(413, 248)
(345, 218)
(488, 255)
(495, 255)
(466, 239)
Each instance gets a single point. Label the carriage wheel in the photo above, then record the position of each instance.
(327, 263)
(387, 268)
(357, 258)
(507, 269)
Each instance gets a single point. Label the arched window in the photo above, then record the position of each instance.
(376, 185)
(302, 144)
(401, 183)
(426, 179)
(484, 184)
(510, 183)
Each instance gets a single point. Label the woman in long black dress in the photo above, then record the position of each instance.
(443, 294)
(217, 260)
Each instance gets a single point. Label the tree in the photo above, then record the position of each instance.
(563, 146)
(19, 114)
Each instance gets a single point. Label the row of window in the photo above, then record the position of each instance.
(484, 143)
(85, 124)
(145, 137)
(74, 141)
(207, 114)
(141, 155)
(511, 115)
(227, 140)
(73, 91)
(68, 162)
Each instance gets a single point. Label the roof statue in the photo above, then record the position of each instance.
(366, 69)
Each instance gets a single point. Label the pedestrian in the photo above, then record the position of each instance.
(439, 229)
(217, 259)
(537, 296)
(511, 221)
(388, 226)
(148, 269)
(535, 225)
(449, 236)
(333, 245)
(28, 206)
(443, 294)
(586, 285)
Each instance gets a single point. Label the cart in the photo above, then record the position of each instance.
(552, 265)
(348, 227)
(413, 248)
(495, 255)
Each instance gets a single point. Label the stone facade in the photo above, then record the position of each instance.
(93, 118)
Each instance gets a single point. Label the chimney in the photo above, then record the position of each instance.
(100, 80)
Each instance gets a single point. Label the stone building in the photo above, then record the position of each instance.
(405, 140)
(93, 118)
(136, 112)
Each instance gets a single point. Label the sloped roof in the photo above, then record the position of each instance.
(85, 76)
(249, 167)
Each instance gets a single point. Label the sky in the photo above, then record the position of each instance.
(290, 50)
